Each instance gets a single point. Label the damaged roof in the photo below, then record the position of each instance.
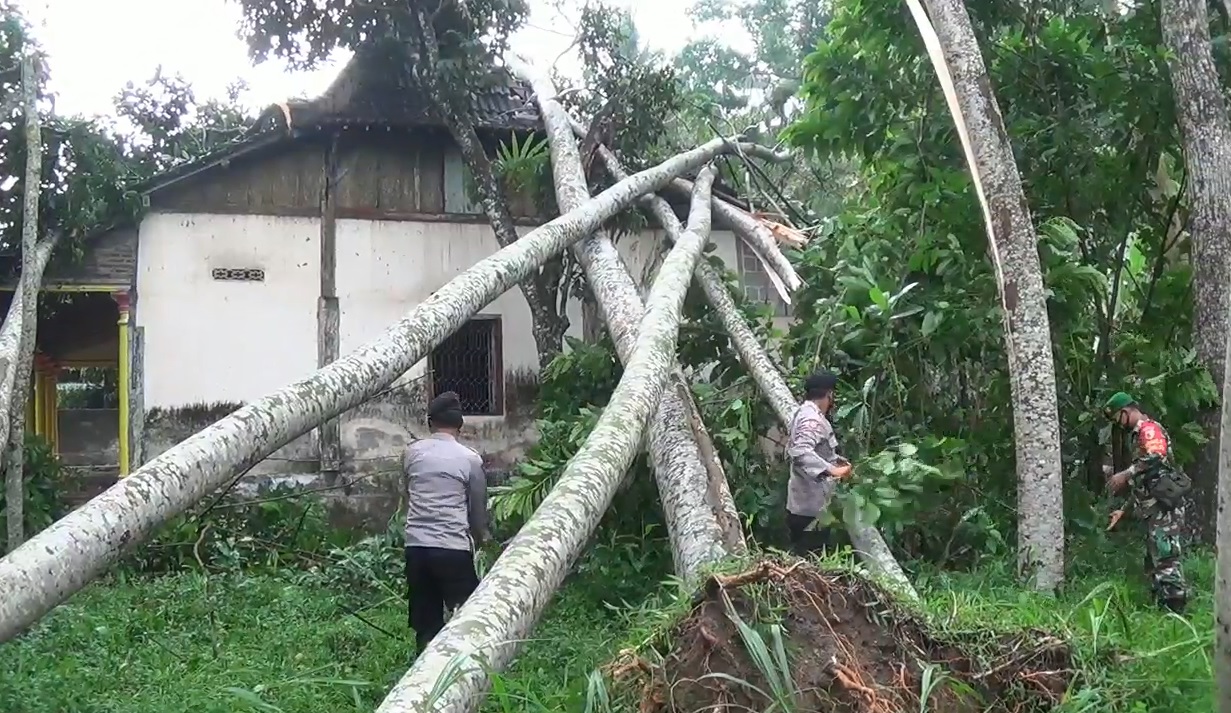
(374, 90)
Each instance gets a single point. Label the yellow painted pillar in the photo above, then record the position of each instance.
(53, 408)
(36, 415)
(123, 386)
(34, 410)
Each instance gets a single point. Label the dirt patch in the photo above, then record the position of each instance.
(789, 639)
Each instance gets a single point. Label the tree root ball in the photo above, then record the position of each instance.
(792, 638)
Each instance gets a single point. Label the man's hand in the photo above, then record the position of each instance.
(842, 472)
(1117, 482)
(1115, 518)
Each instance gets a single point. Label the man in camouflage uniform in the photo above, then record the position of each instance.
(1156, 490)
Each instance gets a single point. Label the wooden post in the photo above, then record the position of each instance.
(51, 409)
(136, 400)
(122, 385)
(328, 319)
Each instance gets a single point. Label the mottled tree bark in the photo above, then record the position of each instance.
(1013, 245)
(65, 557)
(702, 522)
(24, 312)
(1206, 133)
(1222, 570)
(757, 237)
(866, 538)
(451, 675)
(549, 319)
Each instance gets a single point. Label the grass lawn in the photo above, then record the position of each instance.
(246, 642)
(265, 642)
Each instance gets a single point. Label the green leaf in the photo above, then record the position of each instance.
(931, 321)
(879, 298)
(908, 449)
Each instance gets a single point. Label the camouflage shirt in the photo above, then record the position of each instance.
(1151, 454)
(811, 450)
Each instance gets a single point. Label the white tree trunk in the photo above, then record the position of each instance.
(65, 557)
(702, 521)
(1013, 245)
(451, 675)
(17, 376)
(866, 539)
(1222, 570)
(758, 237)
(1201, 111)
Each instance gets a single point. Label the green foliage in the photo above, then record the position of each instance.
(899, 294)
(91, 166)
(42, 482)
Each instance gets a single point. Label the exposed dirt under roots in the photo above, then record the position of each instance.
(847, 648)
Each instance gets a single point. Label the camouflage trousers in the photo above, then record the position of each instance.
(1164, 548)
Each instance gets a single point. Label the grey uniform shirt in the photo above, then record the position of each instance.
(811, 450)
(446, 494)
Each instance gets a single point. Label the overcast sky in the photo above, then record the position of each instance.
(95, 46)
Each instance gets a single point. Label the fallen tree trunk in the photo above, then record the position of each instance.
(451, 675)
(866, 538)
(702, 522)
(33, 262)
(758, 237)
(66, 556)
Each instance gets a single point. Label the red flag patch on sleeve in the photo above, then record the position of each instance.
(1152, 440)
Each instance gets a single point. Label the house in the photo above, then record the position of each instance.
(226, 289)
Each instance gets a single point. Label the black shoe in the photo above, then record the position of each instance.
(1175, 603)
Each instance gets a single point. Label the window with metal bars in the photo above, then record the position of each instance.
(470, 364)
(757, 286)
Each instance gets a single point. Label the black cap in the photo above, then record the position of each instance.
(445, 410)
(819, 384)
(444, 402)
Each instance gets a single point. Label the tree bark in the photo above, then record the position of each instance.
(1206, 133)
(703, 525)
(757, 237)
(549, 322)
(484, 634)
(65, 557)
(866, 539)
(1222, 569)
(17, 376)
(1013, 245)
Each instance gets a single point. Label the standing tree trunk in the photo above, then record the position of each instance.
(550, 320)
(1013, 245)
(450, 676)
(1222, 571)
(65, 557)
(17, 377)
(1206, 134)
(702, 522)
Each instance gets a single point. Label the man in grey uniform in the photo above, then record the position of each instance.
(815, 464)
(446, 519)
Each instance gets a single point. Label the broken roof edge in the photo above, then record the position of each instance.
(271, 129)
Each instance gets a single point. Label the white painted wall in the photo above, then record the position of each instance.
(385, 268)
(208, 340)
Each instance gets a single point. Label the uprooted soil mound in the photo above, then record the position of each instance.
(845, 648)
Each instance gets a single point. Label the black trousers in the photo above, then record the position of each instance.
(803, 540)
(436, 580)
